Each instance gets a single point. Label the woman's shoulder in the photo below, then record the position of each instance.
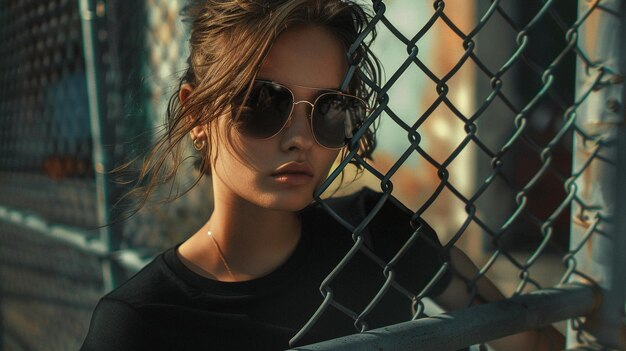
(118, 322)
(388, 228)
(116, 325)
(379, 210)
(358, 198)
(385, 223)
(351, 207)
(148, 285)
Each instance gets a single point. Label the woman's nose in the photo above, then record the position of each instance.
(297, 133)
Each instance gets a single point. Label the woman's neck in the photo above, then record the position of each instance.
(253, 241)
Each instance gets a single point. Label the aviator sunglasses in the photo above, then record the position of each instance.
(269, 106)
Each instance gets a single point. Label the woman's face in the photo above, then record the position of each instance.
(282, 172)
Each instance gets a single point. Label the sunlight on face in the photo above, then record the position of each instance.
(282, 172)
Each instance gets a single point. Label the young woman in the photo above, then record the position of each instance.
(264, 104)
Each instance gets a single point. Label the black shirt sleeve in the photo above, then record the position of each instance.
(116, 325)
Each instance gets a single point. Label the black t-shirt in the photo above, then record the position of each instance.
(166, 306)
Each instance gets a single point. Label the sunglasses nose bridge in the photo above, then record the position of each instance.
(305, 102)
(307, 114)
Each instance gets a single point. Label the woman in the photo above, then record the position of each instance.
(261, 102)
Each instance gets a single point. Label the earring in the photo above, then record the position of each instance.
(198, 144)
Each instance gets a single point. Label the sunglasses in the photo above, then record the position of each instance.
(269, 106)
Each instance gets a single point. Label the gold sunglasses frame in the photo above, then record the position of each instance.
(310, 115)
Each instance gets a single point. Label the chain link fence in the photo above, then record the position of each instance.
(522, 98)
(533, 187)
(46, 171)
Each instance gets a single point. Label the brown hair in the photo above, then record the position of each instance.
(229, 40)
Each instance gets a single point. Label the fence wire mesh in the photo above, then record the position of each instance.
(46, 162)
(47, 288)
(518, 134)
(47, 177)
(539, 151)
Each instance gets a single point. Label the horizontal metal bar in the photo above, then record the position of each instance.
(76, 237)
(477, 324)
(79, 238)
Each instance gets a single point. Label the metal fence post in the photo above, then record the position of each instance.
(90, 12)
(600, 157)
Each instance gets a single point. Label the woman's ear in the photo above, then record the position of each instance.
(184, 92)
(198, 131)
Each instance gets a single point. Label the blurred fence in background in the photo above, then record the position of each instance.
(66, 114)
(517, 106)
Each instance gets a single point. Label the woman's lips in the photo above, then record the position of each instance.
(293, 173)
(293, 178)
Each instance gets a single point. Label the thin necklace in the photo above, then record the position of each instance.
(221, 254)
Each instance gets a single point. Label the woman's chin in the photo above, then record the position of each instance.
(287, 202)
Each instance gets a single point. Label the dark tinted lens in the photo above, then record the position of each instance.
(266, 110)
(333, 117)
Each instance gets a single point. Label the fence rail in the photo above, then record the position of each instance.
(473, 325)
